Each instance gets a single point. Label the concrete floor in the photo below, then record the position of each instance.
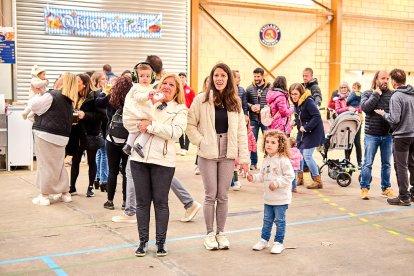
(330, 232)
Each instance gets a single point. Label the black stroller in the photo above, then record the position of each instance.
(341, 136)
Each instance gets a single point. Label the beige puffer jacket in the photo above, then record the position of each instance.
(202, 132)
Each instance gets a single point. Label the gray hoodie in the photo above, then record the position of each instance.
(401, 112)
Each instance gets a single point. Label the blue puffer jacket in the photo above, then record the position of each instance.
(307, 115)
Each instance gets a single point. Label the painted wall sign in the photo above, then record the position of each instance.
(102, 24)
(7, 45)
(269, 35)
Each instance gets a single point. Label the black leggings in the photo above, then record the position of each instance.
(152, 184)
(357, 143)
(76, 159)
(115, 156)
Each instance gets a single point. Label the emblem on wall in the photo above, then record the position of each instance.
(269, 35)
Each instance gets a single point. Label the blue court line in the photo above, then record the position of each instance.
(54, 266)
(199, 236)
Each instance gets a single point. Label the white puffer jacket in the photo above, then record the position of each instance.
(167, 127)
(202, 132)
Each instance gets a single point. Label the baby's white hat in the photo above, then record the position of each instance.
(36, 70)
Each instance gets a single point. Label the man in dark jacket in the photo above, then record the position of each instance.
(241, 91)
(311, 83)
(377, 134)
(256, 100)
(400, 118)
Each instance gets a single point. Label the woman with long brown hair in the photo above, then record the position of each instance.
(114, 102)
(216, 125)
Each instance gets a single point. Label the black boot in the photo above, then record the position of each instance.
(72, 190)
(90, 192)
(96, 183)
(103, 187)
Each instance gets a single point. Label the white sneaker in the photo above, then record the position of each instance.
(210, 242)
(183, 152)
(125, 218)
(41, 200)
(191, 212)
(260, 245)
(63, 197)
(237, 186)
(277, 248)
(197, 171)
(223, 242)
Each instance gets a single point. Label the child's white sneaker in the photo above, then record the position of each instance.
(41, 200)
(277, 248)
(223, 242)
(260, 245)
(237, 186)
(210, 242)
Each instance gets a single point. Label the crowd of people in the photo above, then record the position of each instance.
(129, 125)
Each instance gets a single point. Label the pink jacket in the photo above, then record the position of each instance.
(341, 105)
(280, 109)
(295, 158)
(251, 140)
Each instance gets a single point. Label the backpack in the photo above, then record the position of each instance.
(265, 116)
(116, 127)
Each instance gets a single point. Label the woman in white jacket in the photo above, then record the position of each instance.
(153, 173)
(216, 125)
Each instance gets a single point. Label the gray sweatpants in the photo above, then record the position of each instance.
(176, 186)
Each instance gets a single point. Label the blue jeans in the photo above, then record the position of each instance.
(276, 214)
(256, 126)
(371, 144)
(295, 180)
(310, 162)
(102, 165)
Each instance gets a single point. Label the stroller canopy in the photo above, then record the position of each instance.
(343, 130)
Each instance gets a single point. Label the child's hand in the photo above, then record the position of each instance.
(272, 186)
(249, 177)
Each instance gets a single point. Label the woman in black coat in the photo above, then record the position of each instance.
(116, 155)
(90, 121)
(310, 130)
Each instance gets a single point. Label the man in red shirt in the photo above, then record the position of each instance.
(189, 97)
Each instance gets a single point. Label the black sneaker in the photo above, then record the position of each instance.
(109, 205)
(398, 201)
(127, 149)
(138, 149)
(96, 184)
(123, 205)
(90, 192)
(161, 250)
(72, 191)
(142, 249)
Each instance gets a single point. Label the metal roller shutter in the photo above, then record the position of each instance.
(58, 54)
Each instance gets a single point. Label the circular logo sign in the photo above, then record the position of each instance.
(269, 35)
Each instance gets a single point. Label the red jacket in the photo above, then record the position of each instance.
(189, 95)
(251, 140)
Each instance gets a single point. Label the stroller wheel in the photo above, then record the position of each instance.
(343, 179)
(359, 179)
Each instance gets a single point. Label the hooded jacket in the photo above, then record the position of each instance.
(280, 109)
(313, 86)
(256, 97)
(401, 112)
(307, 115)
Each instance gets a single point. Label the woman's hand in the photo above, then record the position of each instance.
(81, 114)
(351, 108)
(244, 168)
(142, 125)
(249, 177)
(302, 129)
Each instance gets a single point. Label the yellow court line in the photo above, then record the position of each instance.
(326, 199)
(352, 214)
(320, 195)
(363, 220)
(333, 204)
(342, 208)
(410, 239)
(376, 225)
(393, 232)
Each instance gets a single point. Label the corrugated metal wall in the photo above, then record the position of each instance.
(58, 54)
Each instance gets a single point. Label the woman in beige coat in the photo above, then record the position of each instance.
(216, 125)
